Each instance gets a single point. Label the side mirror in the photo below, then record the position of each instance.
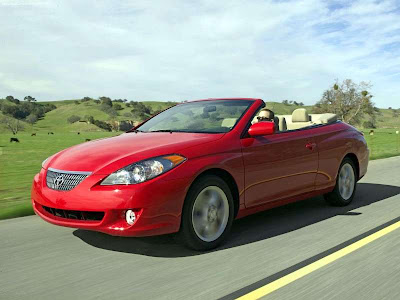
(262, 128)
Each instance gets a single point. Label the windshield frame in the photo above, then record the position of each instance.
(250, 101)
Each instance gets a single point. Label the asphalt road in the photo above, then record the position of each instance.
(42, 261)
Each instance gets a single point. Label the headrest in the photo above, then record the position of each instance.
(300, 115)
(328, 118)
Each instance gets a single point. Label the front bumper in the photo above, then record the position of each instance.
(157, 203)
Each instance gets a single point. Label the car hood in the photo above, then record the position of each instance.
(107, 155)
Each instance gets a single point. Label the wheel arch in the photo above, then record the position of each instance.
(230, 181)
(354, 159)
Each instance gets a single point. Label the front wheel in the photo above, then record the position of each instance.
(207, 213)
(346, 184)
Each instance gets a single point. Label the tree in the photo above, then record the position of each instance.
(29, 99)
(125, 126)
(117, 106)
(73, 119)
(77, 102)
(137, 115)
(90, 119)
(350, 101)
(32, 119)
(102, 125)
(105, 101)
(85, 99)
(285, 102)
(369, 125)
(140, 107)
(12, 124)
(301, 104)
(12, 99)
(108, 110)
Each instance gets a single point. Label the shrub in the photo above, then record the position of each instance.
(369, 124)
(108, 110)
(106, 101)
(90, 119)
(117, 106)
(32, 118)
(102, 125)
(125, 126)
(73, 119)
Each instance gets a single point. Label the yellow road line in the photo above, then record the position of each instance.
(285, 280)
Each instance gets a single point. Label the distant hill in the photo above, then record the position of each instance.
(56, 120)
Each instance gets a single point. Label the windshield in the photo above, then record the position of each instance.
(217, 116)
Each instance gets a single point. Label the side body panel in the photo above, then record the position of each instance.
(279, 166)
(334, 142)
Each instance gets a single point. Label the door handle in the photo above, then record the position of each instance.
(311, 146)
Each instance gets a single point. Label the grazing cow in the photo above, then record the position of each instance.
(14, 140)
(87, 140)
(33, 134)
(50, 132)
(79, 133)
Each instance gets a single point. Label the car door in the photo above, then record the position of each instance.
(279, 166)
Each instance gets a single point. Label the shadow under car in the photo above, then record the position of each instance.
(247, 230)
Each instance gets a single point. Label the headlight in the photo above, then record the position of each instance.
(144, 170)
(43, 162)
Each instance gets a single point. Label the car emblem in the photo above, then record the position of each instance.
(59, 180)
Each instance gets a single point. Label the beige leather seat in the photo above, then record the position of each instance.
(300, 119)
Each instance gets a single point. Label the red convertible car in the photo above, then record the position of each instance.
(196, 167)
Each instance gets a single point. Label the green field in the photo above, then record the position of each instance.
(19, 162)
(383, 143)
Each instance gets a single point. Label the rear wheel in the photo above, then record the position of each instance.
(207, 214)
(346, 183)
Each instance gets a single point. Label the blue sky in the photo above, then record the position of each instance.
(184, 49)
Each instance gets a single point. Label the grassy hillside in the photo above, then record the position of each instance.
(56, 120)
(386, 119)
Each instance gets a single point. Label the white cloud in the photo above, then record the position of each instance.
(179, 49)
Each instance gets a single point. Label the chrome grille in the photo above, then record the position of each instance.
(64, 180)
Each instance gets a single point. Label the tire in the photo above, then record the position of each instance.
(207, 214)
(346, 184)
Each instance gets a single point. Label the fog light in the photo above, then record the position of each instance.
(130, 216)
